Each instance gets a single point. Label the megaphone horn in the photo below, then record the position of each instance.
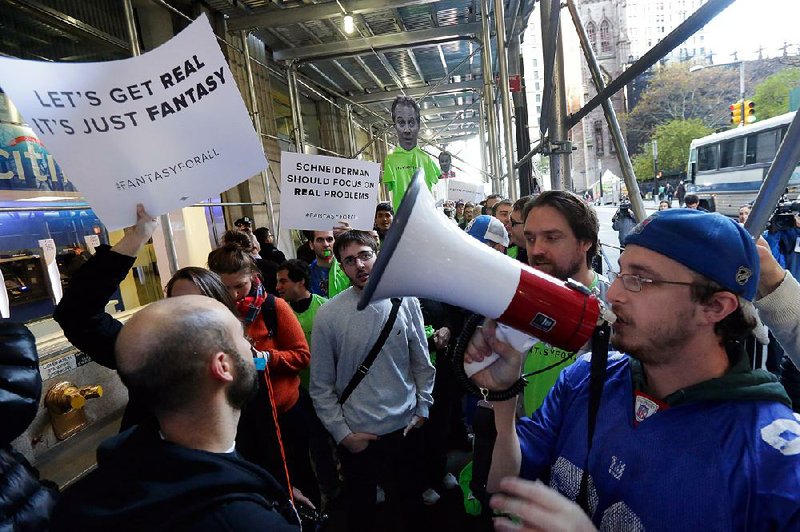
(426, 255)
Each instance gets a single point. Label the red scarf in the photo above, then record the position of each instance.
(250, 305)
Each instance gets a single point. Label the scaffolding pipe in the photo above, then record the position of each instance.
(502, 62)
(251, 89)
(166, 224)
(296, 108)
(482, 133)
(536, 149)
(351, 137)
(778, 176)
(488, 96)
(384, 188)
(686, 29)
(550, 21)
(559, 149)
(615, 131)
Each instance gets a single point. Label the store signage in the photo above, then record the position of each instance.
(62, 365)
(166, 129)
(317, 192)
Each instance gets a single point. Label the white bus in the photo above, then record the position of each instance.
(727, 169)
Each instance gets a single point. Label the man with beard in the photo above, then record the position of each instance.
(187, 358)
(372, 408)
(400, 165)
(687, 434)
(560, 235)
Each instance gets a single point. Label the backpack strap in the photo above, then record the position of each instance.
(270, 316)
(363, 369)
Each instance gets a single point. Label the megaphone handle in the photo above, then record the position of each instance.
(518, 340)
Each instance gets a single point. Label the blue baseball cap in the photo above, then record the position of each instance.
(707, 243)
(487, 229)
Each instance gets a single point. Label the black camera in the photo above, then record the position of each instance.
(783, 217)
(312, 520)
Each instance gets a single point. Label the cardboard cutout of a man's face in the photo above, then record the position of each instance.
(445, 162)
(407, 126)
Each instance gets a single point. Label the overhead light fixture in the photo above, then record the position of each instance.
(349, 24)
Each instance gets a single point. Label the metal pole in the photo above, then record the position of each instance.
(488, 96)
(777, 179)
(617, 138)
(502, 62)
(655, 171)
(384, 189)
(482, 133)
(166, 224)
(686, 29)
(560, 148)
(351, 139)
(741, 91)
(375, 147)
(297, 110)
(257, 122)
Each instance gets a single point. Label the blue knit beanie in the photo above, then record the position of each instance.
(708, 243)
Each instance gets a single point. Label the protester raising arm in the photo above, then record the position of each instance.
(81, 312)
(779, 302)
(501, 374)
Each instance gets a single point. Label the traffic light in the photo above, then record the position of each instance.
(736, 112)
(749, 111)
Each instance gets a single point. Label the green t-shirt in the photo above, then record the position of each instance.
(512, 252)
(306, 319)
(338, 281)
(399, 168)
(543, 355)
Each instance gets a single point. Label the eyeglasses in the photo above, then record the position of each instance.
(633, 283)
(515, 223)
(364, 256)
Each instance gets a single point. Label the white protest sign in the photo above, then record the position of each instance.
(166, 129)
(317, 191)
(464, 190)
(48, 246)
(92, 243)
(5, 303)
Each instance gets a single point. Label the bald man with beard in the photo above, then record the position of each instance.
(187, 358)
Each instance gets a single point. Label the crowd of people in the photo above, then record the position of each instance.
(259, 397)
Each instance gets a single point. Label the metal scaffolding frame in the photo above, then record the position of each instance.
(555, 122)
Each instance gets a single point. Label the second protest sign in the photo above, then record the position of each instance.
(319, 191)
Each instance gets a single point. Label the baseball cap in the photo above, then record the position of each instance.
(488, 229)
(243, 221)
(708, 243)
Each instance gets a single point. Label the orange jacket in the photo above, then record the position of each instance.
(288, 353)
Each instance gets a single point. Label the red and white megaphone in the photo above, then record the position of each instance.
(426, 255)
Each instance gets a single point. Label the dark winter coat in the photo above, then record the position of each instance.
(143, 482)
(25, 501)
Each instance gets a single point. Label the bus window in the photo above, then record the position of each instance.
(731, 153)
(707, 158)
(761, 148)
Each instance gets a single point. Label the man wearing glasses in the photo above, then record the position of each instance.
(687, 435)
(375, 424)
(515, 230)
